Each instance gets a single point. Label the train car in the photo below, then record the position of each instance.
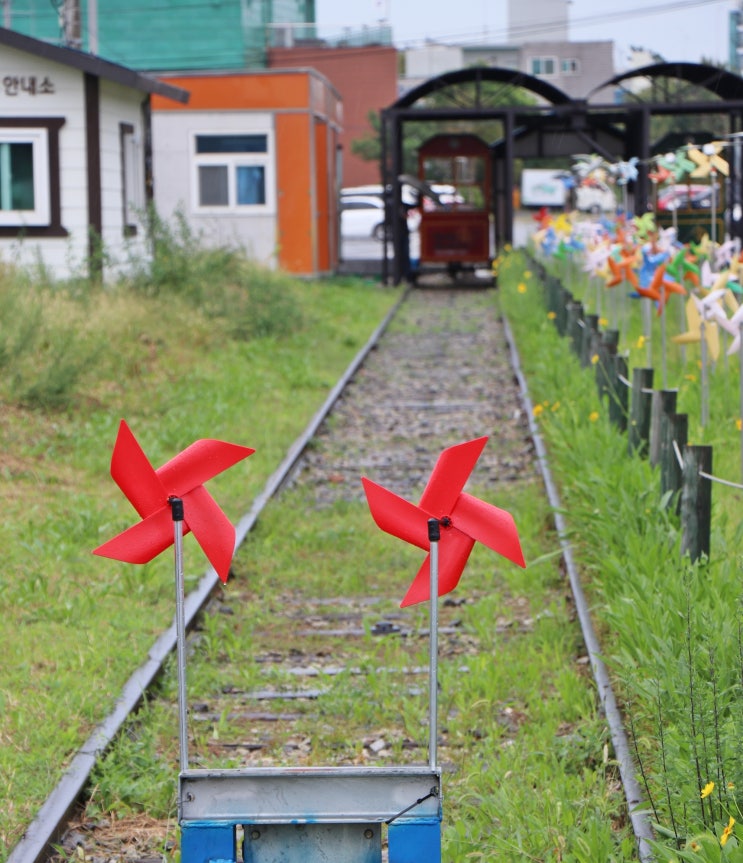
(456, 228)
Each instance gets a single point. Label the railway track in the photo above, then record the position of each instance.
(289, 669)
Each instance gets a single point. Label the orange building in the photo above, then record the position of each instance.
(366, 78)
(251, 161)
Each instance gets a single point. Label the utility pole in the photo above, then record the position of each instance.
(70, 14)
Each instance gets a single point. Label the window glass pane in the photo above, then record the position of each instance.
(213, 189)
(231, 143)
(251, 184)
(17, 176)
(549, 66)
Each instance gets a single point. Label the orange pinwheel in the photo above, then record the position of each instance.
(663, 287)
(623, 270)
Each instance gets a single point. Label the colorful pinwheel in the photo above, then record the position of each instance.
(622, 269)
(698, 312)
(708, 160)
(150, 492)
(464, 519)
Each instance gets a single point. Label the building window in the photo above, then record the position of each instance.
(570, 66)
(24, 177)
(132, 178)
(30, 187)
(543, 67)
(233, 172)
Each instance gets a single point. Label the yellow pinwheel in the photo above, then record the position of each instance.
(708, 160)
(698, 312)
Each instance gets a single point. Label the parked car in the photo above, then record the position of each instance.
(362, 216)
(682, 197)
(595, 197)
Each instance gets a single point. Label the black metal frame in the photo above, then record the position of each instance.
(560, 126)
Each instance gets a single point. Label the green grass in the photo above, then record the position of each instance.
(528, 770)
(670, 631)
(74, 625)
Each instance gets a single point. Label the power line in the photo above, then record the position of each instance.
(524, 31)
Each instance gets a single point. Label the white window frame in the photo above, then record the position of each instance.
(233, 161)
(132, 179)
(40, 216)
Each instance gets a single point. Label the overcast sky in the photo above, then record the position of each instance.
(682, 30)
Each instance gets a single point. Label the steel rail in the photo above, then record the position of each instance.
(633, 795)
(37, 841)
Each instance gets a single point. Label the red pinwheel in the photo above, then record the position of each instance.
(150, 492)
(464, 519)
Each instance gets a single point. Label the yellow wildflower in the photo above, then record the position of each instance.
(527, 274)
(691, 378)
(727, 832)
(739, 424)
(552, 315)
(707, 790)
(640, 342)
(603, 322)
(537, 410)
(555, 406)
(593, 416)
(731, 785)
(521, 288)
(594, 359)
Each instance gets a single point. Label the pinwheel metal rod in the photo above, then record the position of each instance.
(705, 382)
(434, 535)
(176, 505)
(740, 361)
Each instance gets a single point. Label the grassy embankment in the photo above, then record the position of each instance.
(671, 630)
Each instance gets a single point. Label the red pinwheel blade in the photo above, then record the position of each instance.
(134, 475)
(454, 549)
(451, 471)
(198, 463)
(489, 525)
(143, 541)
(395, 515)
(211, 527)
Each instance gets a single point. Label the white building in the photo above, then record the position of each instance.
(74, 140)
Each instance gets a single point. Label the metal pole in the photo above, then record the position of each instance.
(176, 505)
(740, 408)
(434, 534)
(705, 384)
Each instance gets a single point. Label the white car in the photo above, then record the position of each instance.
(595, 198)
(362, 216)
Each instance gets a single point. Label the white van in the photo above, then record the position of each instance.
(595, 198)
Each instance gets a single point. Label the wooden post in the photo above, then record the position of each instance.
(589, 330)
(607, 348)
(696, 502)
(663, 402)
(674, 428)
(618, 395)
(561, 319)
(638, 434)
(575, 325)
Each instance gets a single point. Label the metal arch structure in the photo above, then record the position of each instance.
(558, 126)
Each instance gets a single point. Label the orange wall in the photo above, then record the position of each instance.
(366, 79)
(256, 92)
